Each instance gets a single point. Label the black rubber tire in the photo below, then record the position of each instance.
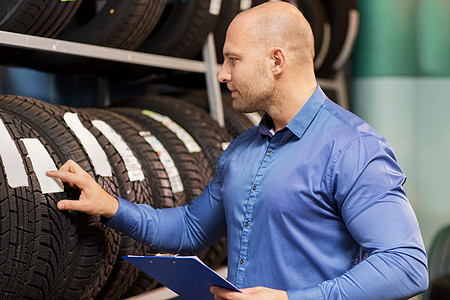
(58, 14)
(38, 242)
(41, 18)
(126, 28)
(314, 12)
(258, 2)
(123, 274)
(228, 11)
(99, 245)
(199, 124)
(180, 32)
(20, 229)
(119, 276)
(193, 168)
(155, 174)
(182, 29)
(342, 26)
(119, 24)
(160, 186)
(135, 191)
(439, 257)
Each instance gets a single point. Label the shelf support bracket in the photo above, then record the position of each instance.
(212, 84)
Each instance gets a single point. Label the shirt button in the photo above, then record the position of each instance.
(241, 261)
(269, 154)
(247, 223)
(254, 187)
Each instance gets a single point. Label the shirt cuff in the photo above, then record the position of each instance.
(125, 218)
(309, 293)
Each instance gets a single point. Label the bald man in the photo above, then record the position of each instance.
(311, 200)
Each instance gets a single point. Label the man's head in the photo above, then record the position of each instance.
(266, 47)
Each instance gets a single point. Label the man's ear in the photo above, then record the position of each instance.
(278, 56)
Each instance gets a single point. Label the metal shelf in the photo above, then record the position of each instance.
(209, 66)
(31, 42)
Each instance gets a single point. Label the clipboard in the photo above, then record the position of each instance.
(187, 276)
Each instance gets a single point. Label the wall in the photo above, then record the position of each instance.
(401, 86)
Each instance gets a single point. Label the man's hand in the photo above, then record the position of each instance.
(93, 199)
(255, 293)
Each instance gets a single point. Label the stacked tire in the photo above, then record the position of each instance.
(159, 153)
(439, 265)
(41, 18)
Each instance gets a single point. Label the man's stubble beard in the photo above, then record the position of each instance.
(263, 95)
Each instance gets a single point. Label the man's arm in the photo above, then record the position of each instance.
(183, 229)
(376, 212)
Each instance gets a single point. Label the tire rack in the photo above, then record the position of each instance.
(209, 66)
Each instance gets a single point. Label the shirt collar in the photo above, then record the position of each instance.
(301, 120)
(265, 125)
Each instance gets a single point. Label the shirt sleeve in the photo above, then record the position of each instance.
(367, 187)
(183, 230)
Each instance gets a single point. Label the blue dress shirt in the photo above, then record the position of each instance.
(317, 210)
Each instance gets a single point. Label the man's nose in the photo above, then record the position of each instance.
(224, 74)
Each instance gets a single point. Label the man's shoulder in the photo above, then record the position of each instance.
(344, 120)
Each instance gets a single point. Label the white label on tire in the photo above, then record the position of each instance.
(183, 135)
(166, 161)
(90, 144)
(43, 162)
(12, 160)
(132, 165)
(245, 4)
(214, 7)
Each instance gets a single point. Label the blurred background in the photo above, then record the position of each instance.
(396, 75)
(401, 86)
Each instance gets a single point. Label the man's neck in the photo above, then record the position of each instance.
(289, 105)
